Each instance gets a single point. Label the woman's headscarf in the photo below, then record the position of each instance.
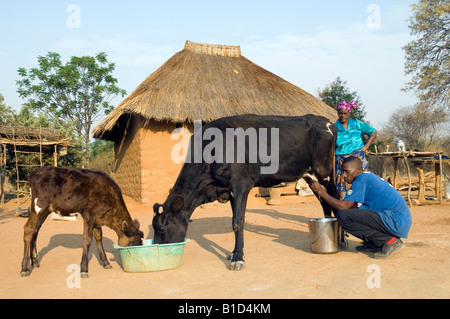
(347, 105)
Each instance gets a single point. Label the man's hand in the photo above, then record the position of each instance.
(337, 204)
(317, 188)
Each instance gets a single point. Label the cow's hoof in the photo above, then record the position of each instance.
(237, 265)
(230, 256)
(84, 275)
(25, 273)
(108, 266)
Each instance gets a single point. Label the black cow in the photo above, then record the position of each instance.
(305, 145)
(94, 195)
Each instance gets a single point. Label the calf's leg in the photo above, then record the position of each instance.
(87, 239)
(31, 230)
(101, 251)
(27, 237)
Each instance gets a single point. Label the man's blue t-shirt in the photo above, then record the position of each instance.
(349, 140)
(375, 194)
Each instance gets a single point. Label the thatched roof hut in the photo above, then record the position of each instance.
(206, 82)
(202, 82)
(31, 136)
(28, 142)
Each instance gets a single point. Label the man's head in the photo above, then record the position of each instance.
(351, 167)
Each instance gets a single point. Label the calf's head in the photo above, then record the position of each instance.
(132, 236)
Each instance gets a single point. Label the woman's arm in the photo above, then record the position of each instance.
(369, 141)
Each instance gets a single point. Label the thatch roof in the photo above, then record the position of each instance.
(31, 136)
(206, 82)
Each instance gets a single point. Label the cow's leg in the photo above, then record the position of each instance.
(327, 210)
(101, 251)
(324, 174)
(331, 190)
(31, 230)
(87, 239)
(238, 204)
(311, 177)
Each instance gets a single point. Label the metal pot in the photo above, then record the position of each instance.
(325, 235)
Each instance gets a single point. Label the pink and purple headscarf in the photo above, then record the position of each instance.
(347, 105)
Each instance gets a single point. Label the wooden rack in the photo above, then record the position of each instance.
(418, 157)
(30, 142)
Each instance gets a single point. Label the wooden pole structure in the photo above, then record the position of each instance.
(440, 178)
(419, 167)
(17, 167)
(409, 178)
(396, 172)
(55, 156)
(2, 173)
(40, 145)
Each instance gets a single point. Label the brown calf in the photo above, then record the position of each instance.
(94, 195)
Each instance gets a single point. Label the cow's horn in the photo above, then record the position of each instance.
(160, 210)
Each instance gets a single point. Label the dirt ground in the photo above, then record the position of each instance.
(279, 261)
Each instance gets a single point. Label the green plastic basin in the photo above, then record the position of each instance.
(150, 257)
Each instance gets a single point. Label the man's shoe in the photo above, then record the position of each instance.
(387, 250)
(344, 241)
(366, 247)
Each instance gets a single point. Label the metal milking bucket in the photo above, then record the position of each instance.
(325, 235)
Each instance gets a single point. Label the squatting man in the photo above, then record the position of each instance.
(372, 210)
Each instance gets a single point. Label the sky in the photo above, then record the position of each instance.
(308, 43)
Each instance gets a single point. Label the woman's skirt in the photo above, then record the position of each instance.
(341, 185)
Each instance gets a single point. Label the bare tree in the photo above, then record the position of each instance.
(419, 126)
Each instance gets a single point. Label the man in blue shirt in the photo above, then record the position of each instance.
(372, 210)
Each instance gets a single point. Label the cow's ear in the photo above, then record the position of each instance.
(157, 209)
(130, 229)
(177, 204)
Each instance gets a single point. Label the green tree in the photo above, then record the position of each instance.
(427, 57)
(78, 92)
(6, 113)
(337, 91)
(102, 156)
(26, 117)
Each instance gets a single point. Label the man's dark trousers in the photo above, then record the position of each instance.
(364, 224)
